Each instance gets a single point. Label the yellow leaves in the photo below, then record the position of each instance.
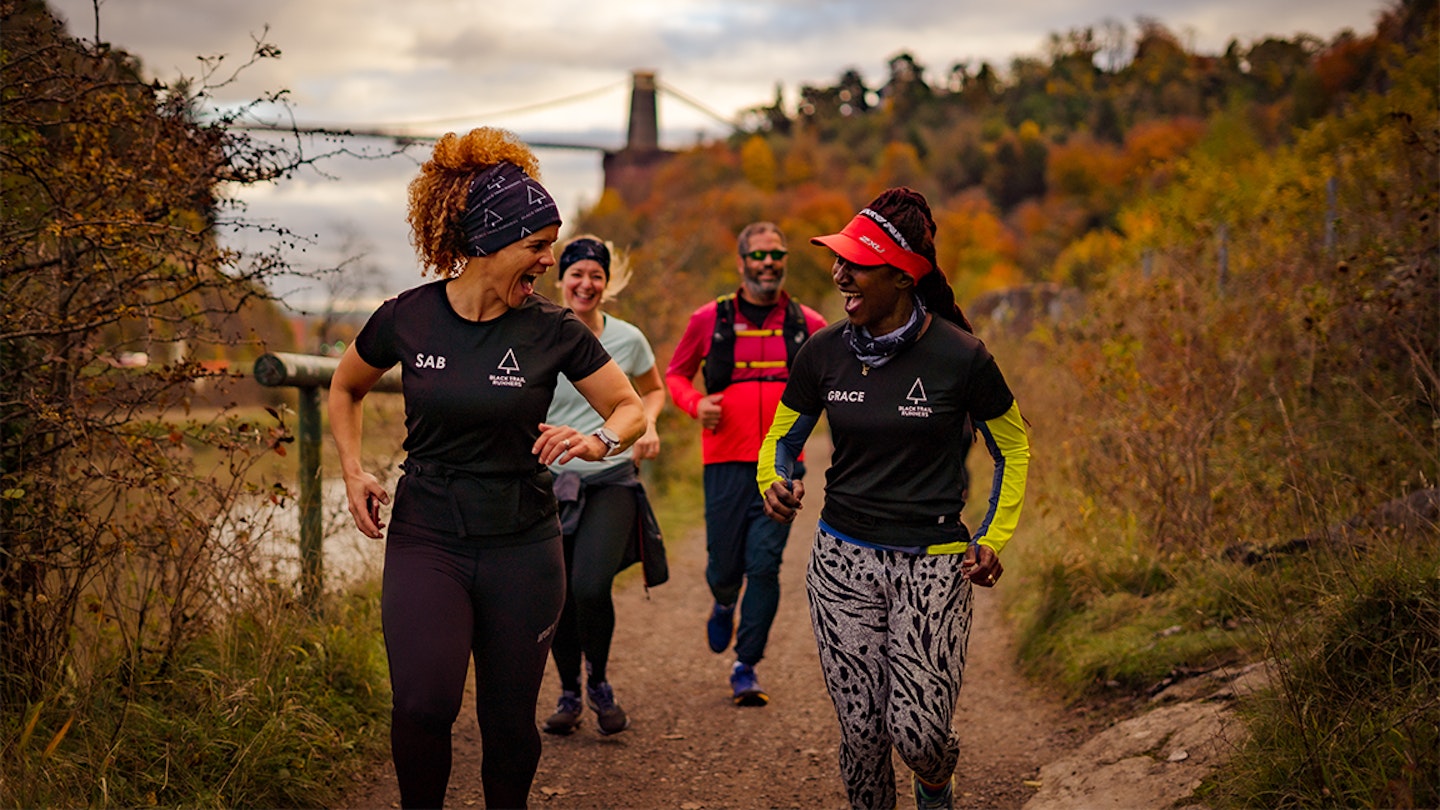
(33, 721)
(757, 161)
(59, 735)
(899, 165)
(1089, 259)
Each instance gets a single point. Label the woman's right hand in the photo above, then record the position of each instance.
(365, 496)
(782, 500)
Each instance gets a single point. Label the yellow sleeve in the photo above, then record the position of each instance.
(782, 446)
(1009, 445)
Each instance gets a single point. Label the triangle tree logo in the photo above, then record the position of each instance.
(917, 393)
(510, 365)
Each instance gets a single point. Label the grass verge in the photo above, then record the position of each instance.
(1354, 718)
(273, 709)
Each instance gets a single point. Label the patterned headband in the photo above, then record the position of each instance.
(504, 206)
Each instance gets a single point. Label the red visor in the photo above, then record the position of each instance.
(867, 243)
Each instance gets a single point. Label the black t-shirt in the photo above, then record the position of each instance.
(754, 314)
(901, 431)
(475, 394)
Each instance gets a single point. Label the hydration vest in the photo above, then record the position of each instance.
(720, 362)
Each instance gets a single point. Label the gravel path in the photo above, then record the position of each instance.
(689, 748)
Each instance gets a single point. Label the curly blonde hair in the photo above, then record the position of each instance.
(620, 269)
(439, 192)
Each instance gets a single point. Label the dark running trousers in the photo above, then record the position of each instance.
(744, 550)
(444, 600)
(592, 559)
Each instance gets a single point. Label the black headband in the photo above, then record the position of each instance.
(586, 248)
(504, 206)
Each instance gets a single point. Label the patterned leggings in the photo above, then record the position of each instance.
(892, 629)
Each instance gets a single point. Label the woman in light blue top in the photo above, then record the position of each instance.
(602, 502)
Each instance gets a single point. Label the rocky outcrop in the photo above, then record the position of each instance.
(1159, 758)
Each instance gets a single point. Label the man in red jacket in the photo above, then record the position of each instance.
(745, 343)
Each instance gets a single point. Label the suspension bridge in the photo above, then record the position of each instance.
(627, 169)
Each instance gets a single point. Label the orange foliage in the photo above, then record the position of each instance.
(1155, 142)
(1339, 67)
(973, 246)
(899, 165)
(1084, 168)
(799, 164)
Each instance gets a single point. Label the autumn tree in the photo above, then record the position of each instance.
(111, 203)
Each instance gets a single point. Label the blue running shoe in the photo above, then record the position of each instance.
(746, 686)
(610, 717)
(721, 627)
(941, 798)
(567, 714)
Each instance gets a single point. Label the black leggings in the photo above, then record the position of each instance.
(592, 558)
(445, 599)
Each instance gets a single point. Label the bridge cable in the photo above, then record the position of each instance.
(390, 130)
(696, 104)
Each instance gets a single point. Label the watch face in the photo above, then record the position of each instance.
(608, 437)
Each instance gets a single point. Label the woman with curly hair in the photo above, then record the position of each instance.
(474, 564)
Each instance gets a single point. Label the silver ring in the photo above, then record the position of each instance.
(566, 443)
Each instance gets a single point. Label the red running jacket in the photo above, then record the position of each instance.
(748, 406)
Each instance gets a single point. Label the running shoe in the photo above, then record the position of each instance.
(720, 628)
(567, 714)
(746, 686)
(612, 718)
(942, 798)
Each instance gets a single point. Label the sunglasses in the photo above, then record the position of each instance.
(759, 255)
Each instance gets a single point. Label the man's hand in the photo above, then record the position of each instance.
(981, 565)
(707, 410)
(782, 500)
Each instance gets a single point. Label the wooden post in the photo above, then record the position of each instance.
(309, 373)
(1331, 192)
(312, 558)
(1223, 251)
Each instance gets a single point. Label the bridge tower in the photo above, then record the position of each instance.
(631, 170)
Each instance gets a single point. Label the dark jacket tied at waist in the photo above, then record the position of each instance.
(645, 545)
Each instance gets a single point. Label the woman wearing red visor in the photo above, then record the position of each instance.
(906, 388)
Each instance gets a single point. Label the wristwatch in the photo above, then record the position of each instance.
(608, 438)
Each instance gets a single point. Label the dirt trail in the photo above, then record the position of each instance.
(690, 748)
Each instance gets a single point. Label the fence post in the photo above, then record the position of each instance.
(1223, 257)
(1332, 186)
(309, 373)
(312, 558)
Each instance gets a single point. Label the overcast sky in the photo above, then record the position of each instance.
(433, 66)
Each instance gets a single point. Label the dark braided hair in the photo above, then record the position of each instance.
(908, 211)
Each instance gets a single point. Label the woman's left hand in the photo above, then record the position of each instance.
(981, 565)
(647, 446)
(561, 443)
